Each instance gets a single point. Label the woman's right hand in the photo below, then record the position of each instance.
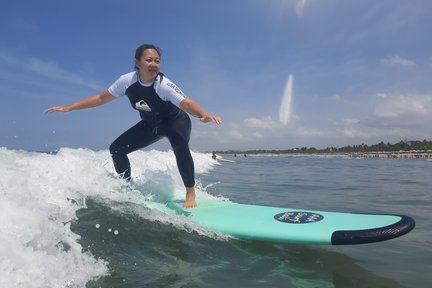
(90, 102)
(57, 109)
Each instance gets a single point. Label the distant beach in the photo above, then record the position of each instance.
(401, 150)
(427, 155)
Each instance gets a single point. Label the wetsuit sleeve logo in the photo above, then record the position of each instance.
(175, 88)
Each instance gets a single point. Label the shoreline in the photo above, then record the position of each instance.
(425, 155)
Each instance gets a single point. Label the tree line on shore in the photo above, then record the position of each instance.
(403, 145)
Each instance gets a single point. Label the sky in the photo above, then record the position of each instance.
(281, 74)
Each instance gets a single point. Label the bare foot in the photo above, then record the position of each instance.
(190, 198)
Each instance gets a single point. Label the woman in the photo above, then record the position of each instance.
(161, 105)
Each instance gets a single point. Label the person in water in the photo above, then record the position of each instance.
(161, 105)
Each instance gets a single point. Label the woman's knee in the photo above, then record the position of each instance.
(113, 148)
(117, 148)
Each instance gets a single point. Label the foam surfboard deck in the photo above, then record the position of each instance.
(292, 225)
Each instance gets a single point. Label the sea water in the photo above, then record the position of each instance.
(66, 220)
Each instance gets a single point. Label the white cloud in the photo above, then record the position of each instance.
(21, 25)
(404, 106)
(302, 131)
(381, 95)
(398, 61)
(236, 135)
(257, 135)
(53, 71)
(263, 123)
(393, 116)
(350, 121)
(336, 98)
(352, 132)
(48, 70)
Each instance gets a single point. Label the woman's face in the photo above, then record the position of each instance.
(149, 65)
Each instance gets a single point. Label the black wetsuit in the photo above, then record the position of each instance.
(160, 118)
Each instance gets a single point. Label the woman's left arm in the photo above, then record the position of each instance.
(191, 107)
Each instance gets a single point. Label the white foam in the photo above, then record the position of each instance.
(41, 193)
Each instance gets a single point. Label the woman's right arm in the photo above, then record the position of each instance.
(90, 102)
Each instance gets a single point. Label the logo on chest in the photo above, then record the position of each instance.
(143, 106)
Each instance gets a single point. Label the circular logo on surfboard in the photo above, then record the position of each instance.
(298, 217)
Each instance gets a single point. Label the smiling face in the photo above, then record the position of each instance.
(148, 65)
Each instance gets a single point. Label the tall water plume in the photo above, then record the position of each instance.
(286, 105)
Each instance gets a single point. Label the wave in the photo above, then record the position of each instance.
(40, 194)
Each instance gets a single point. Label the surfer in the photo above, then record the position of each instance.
(161, 105)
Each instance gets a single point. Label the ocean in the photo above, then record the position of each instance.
(68, 221)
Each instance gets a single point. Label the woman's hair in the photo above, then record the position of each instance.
(139, 51)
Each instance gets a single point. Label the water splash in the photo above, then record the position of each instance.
(40, 195)
(286, 105)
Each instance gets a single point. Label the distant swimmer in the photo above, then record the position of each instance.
(214, 155)
(161, 105)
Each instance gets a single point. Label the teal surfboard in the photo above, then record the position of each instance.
(293, 225)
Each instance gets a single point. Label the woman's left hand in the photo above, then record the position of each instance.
(211, 118)
(193, 108)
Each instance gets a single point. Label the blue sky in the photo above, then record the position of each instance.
(360, 70)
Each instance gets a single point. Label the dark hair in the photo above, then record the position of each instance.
(139, 51)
